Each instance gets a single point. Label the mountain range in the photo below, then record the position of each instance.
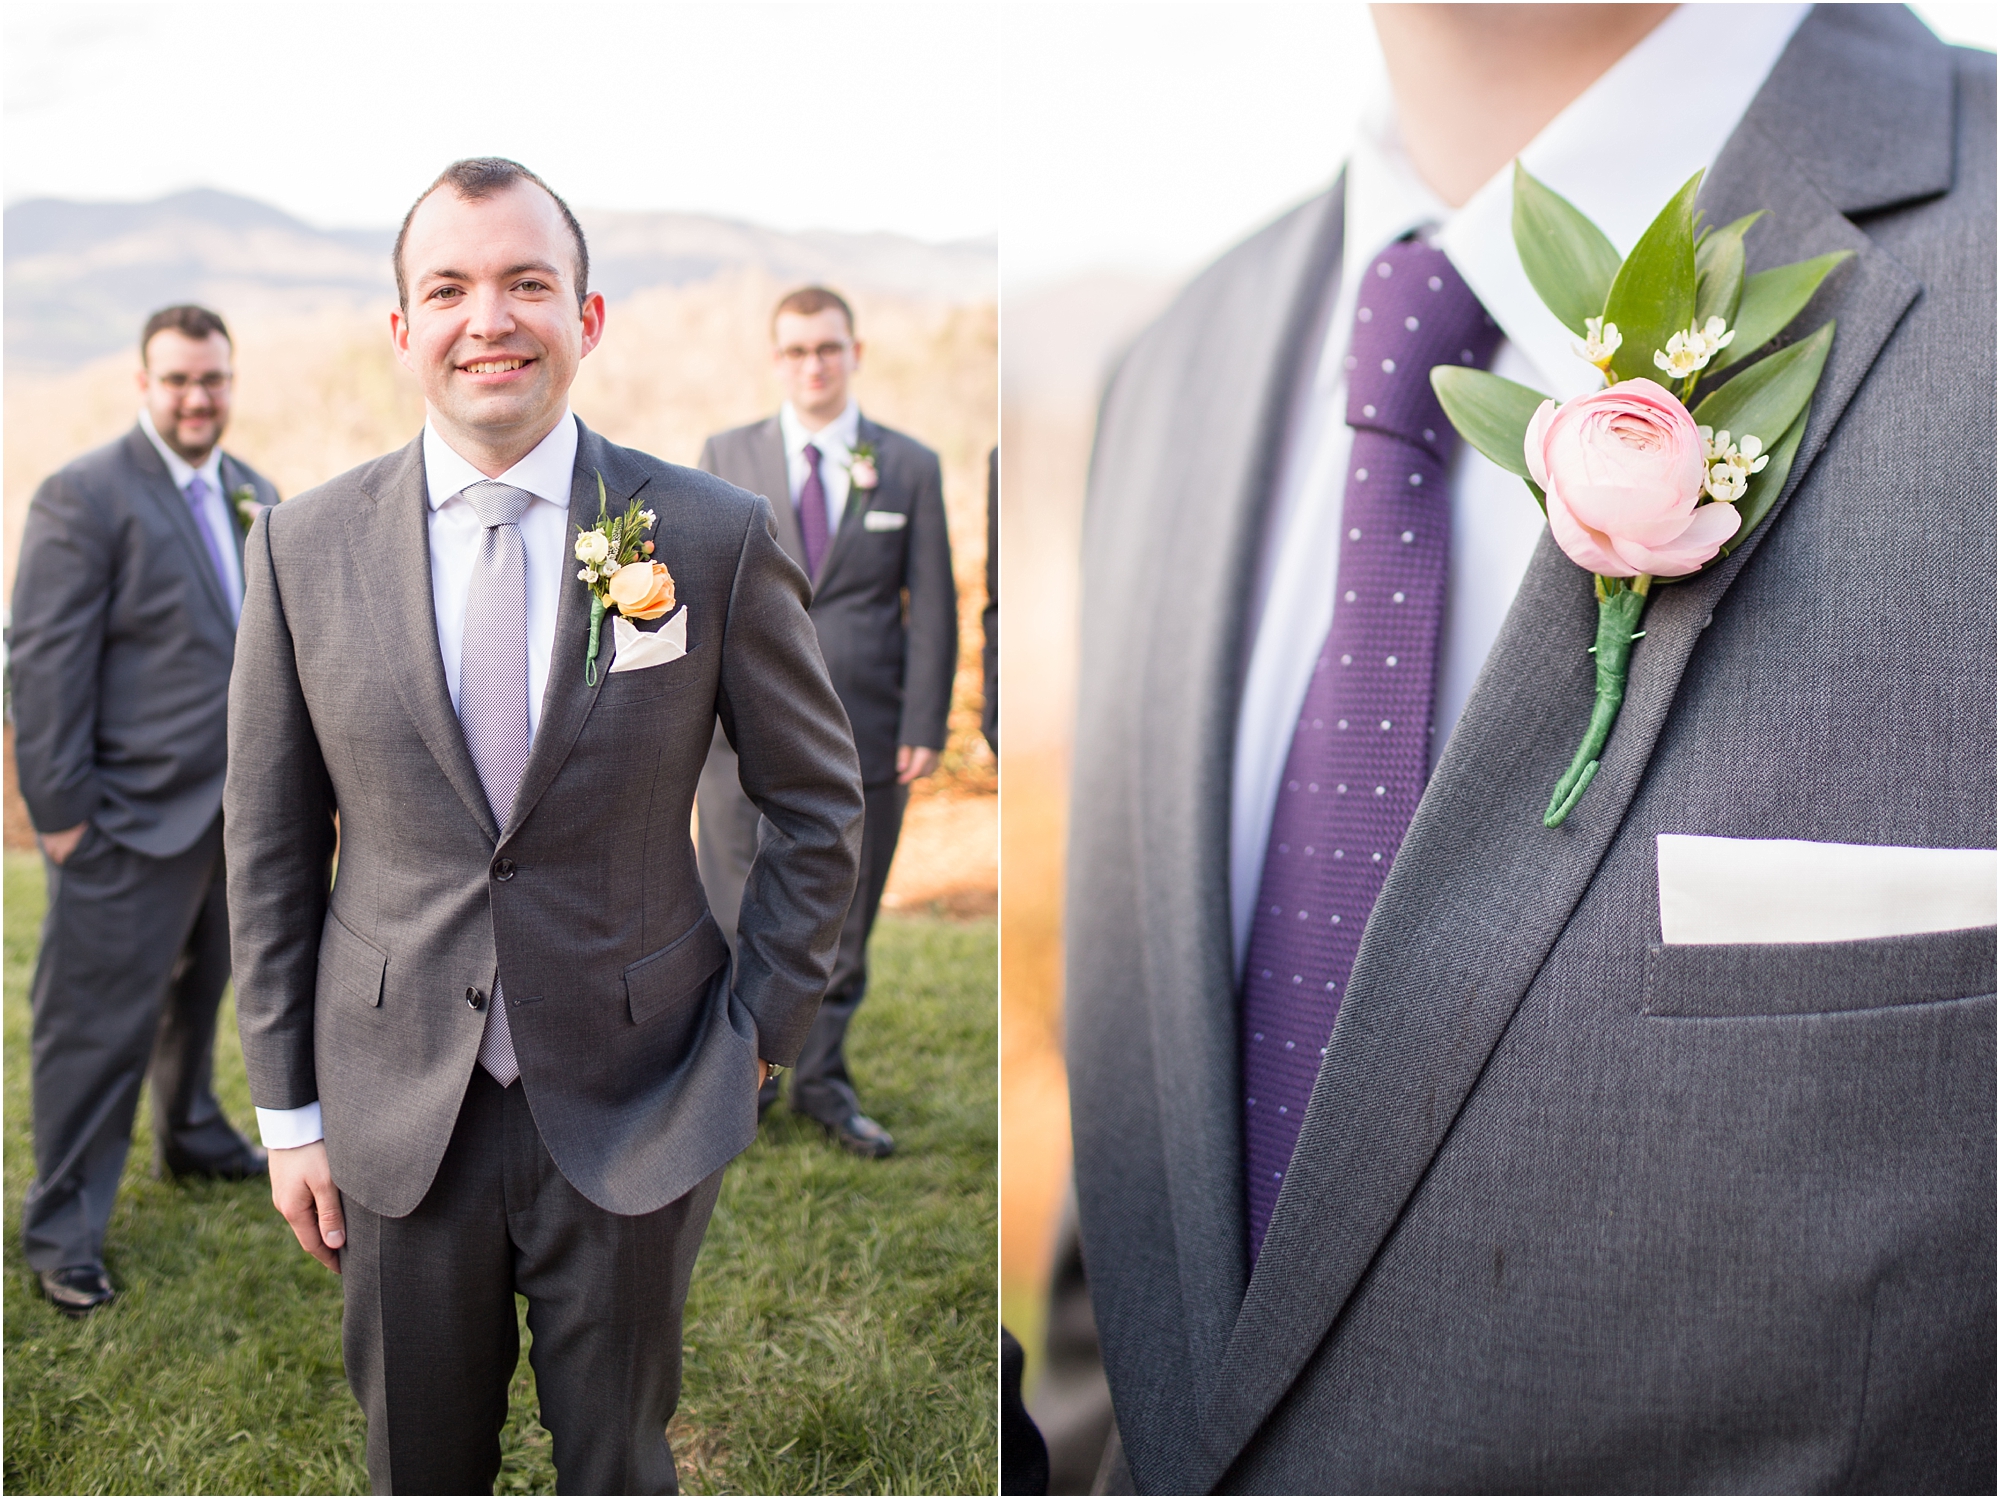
(81, 277)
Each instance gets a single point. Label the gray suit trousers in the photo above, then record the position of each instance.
(134, 959)
(723, 850)
(428, 1329)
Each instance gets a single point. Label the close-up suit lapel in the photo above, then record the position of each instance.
(1480, 890)
(1204, 550)
(180, 516)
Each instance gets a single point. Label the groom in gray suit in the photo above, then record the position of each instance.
(125, 602)
(504, 1052)
(1554, 1198)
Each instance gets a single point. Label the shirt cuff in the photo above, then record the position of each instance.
(287, 1129)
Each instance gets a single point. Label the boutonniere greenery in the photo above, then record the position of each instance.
(861, 471)
(619, 571)
(1665, 470)
(244, 498)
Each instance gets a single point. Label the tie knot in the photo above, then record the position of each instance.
(197, 490)
(498, 504)
(812, 454)
(1412, 311)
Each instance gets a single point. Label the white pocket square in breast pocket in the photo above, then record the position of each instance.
(635, 649)
(1787, 890)
(883, 520)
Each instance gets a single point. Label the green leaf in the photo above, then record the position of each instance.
(1652, 297)
(1767, 397)
(1764, 488)
(1490, 413)
(1771, 299)
(1718, 270)
(1568, 260)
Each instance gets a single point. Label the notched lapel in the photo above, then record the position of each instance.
(858, 500)
(567, 699)
(389, 538)
(180, 516)
(774, 483)
(1480, 890)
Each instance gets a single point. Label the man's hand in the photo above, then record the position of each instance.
(914, 762)
(302, 1187)
(763, 1072)
(59, 846)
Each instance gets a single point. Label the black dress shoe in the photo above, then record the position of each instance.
(863, 1136)
(77, 1290)
(244, 1164)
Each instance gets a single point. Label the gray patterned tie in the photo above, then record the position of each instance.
(493, 693)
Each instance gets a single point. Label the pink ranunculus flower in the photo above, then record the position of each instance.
(1622, 469)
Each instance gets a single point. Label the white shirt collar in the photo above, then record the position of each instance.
(835, 440)
(1586, 155)
(177, 466)
(548, 472)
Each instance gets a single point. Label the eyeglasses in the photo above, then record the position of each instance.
(799, 353)
(213, 382)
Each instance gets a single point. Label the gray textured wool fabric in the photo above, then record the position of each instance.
(639, 1068)
(1559, 1220)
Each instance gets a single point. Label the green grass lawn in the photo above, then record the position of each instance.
(840, 1335)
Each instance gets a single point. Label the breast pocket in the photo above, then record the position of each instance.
(1725, 980)
(350, 967)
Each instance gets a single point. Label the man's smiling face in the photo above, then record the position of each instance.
(493, 331)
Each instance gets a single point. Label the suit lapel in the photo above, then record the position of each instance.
(567, 699)
(1207, 541)
(180, 515)
(858, 500)
(1481, 891)
(389, 538)
(233, 479)
(774, 482)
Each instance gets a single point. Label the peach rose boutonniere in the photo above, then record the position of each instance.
(1642, 482)
(619, 570)
(861, 471)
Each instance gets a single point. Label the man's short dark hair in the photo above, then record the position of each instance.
(197, 323)
(479, 177)
(807, 301)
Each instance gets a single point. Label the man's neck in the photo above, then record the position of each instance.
(492, 455)
(816, 422)
(1476, 83)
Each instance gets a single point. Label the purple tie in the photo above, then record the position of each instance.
(1360, 750)
(812, 513)
(197, 498)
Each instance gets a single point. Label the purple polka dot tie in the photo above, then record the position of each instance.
(1360, 750)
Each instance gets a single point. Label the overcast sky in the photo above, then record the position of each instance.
(844, 116)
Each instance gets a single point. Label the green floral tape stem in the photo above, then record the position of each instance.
(1619, 608)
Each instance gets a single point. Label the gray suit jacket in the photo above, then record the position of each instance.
(120, 650)
(638, 1058)
(892, 669)
(1571, 1210)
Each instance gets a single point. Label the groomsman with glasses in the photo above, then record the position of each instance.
(860, 509)
(129, 582)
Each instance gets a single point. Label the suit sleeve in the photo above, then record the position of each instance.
(278, 839)
(931, 660)
(62, 597)
(796, 762)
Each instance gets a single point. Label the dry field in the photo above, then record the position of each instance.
(317, 395)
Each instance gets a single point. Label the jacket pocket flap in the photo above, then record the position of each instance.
(1722, 980)
(690, 960)
(353, 963)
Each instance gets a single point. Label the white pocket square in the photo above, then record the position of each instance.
(883, 520)
(634, 649)
(1788, 890)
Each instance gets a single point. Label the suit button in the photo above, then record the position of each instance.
(504, 870)
(476, 998)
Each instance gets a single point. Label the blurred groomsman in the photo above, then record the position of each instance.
(863, 515)
(129, 583)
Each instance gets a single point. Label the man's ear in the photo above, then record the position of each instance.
(858, 347)
(399, 335)
(593, 320)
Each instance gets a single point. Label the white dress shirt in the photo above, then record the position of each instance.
(835, 442)
(1587, 153)
(215, 506)
(546, 473)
